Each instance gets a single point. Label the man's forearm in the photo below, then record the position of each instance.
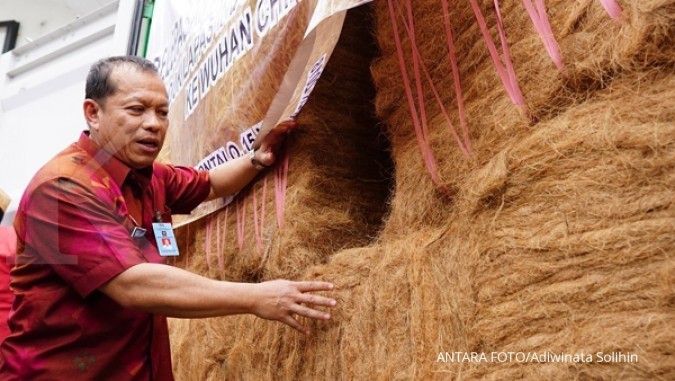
(231, 177)
(174, 292)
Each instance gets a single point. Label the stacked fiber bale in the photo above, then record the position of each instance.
(595, 49)
(338, 183)
(578, 219)
(557, 236)
(337, 186)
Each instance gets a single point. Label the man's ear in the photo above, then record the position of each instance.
(91, 113)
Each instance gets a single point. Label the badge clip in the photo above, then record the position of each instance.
(138, 232)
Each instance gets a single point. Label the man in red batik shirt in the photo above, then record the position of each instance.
(91, 292)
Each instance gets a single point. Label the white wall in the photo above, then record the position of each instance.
(42, 88)
(39, 17)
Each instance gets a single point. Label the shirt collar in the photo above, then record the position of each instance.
(118, 170)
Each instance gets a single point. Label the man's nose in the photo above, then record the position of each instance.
(153, 121)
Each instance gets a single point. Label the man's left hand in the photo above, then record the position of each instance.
(267, 145)
(230, 178)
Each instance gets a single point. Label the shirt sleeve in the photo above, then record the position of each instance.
(78, 235)
(185, 188)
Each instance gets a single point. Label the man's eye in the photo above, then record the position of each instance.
(163, 113)
(136, 109)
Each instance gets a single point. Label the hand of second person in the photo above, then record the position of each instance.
(281, 299)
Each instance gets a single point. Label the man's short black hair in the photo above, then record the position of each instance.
(99, 85)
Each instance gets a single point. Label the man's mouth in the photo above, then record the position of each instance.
(149, 145)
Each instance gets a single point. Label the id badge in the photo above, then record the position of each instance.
(166, 241)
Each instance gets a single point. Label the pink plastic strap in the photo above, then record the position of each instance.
(410, 27)
(256, 232)
(207, 244)
(217, 237)
(423, 144)
(612, 7)
(259, 217)
(503, 64)
(508, 62)
(262, 206)
(219, 247)
(418, 58)
(537, 12)
(241, 215)
(256, 220)
(280, 185)
(452, 53)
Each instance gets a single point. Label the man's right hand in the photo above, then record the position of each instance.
(174, 292)
(281, 299)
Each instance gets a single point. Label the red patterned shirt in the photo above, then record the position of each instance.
(7, 249)
(74, 226)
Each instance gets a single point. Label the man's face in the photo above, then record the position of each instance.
(132, 122)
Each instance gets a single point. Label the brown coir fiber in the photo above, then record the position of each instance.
(558, 237)
(337, 185)
(336, 198)
(577, 221)
(559, 244)
(596, 50)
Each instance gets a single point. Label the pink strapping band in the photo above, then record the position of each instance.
(256, 230)
(423, 144)
(219, 247)
(256, 219)
(503, 63)
(259, 217)
(280, 185)
(537, 12)
(262, 207)
(207, 243)
(464, 147)
(613, 8)
(241, 215)
(452, 53)
(410, 26)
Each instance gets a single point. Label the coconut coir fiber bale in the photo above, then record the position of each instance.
(337, 188)
(557, 238)
(595, 48)
(337, 184)
(572, 257)
(576, 221)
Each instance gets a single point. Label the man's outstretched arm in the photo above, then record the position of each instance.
(174, 292)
